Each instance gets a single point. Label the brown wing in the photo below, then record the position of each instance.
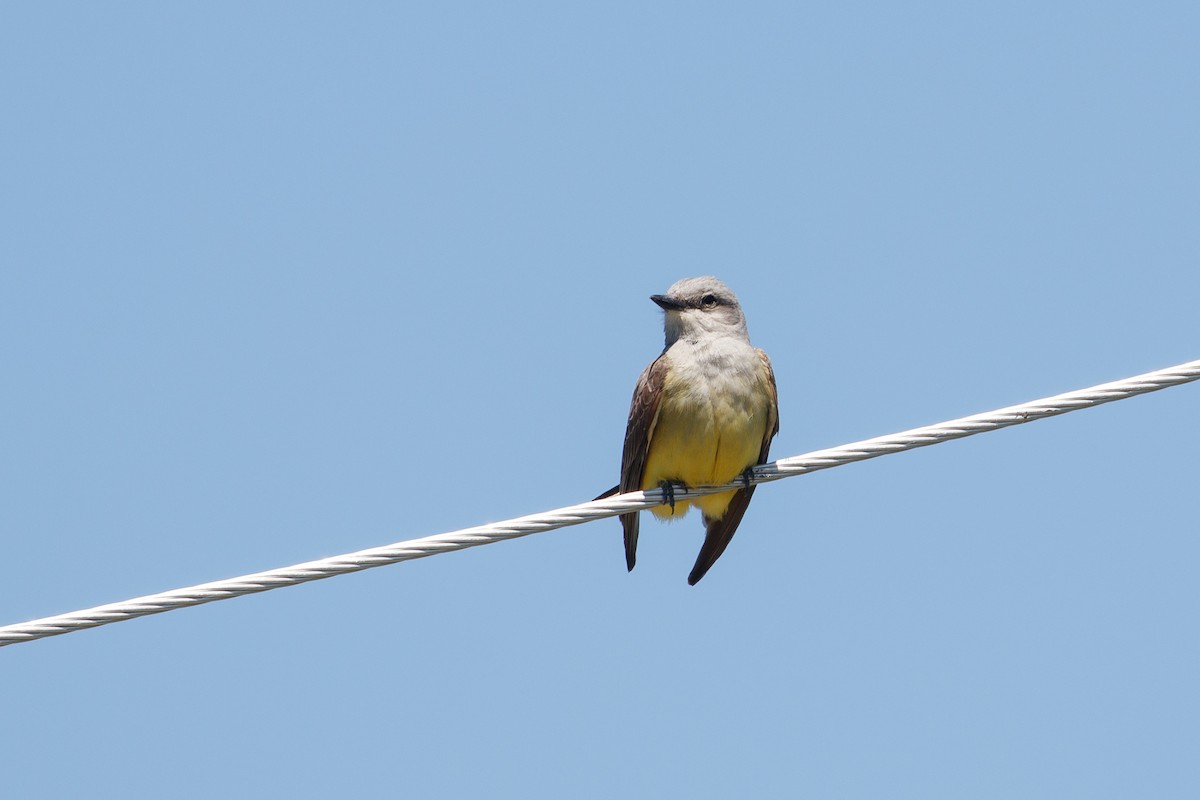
(643, 414)
(718, 533)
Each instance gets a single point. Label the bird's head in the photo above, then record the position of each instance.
(700, 307)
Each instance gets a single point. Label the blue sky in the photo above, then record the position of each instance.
(282, 281)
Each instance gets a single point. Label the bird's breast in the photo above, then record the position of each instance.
(712, 418)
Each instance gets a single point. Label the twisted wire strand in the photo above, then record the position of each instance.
(597, 509)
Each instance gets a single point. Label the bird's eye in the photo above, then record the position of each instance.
(708, 301)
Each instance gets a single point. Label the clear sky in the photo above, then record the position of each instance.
(286, 280)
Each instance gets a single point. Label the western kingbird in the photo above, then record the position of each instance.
(704, 412)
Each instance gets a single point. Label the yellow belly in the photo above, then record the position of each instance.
(703, 439)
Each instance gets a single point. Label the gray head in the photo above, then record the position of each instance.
(701, 307)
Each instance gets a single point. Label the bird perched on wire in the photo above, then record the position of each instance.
(703, 413)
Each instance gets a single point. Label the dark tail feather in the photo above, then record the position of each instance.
(718, 534)
(630, 523)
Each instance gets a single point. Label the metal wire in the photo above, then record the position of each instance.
(597, 509)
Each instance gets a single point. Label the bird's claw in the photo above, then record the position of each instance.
(747, 476)
(668, 490)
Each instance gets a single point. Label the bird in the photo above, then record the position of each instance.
(703, 413)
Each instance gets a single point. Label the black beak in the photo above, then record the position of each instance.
(666, 303)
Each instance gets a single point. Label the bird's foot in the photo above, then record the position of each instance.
(668, 490)
(747, 476)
